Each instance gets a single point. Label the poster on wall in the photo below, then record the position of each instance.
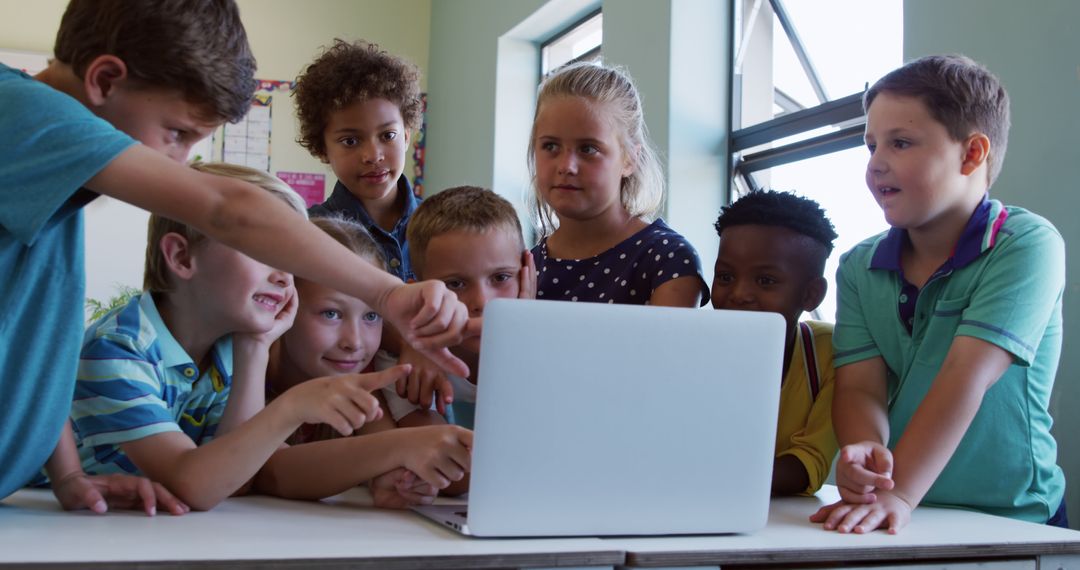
(309, 185)
(420, 149)
(247, 141)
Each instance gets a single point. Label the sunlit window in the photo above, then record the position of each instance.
(579, 42)
(801, 67)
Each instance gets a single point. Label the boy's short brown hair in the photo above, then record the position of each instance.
(353, 235)
(196, 47)
(960, 94)
(156, 274)
(461, 208)
(353, 71)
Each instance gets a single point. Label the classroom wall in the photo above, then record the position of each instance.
(285, 35)
(1034, 49)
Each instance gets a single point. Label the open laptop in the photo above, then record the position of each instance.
(596, 419)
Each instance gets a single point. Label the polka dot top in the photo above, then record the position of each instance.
(627, 273)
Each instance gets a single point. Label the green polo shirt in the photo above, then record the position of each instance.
(1003, 285)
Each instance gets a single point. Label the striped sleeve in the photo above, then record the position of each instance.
(119, 393)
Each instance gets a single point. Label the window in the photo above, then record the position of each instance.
(800, 68)
(579, 42)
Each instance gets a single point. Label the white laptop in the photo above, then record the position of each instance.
(596, 419)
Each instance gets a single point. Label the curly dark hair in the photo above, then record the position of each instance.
(784, 209)
(196, 47)
(353, 71)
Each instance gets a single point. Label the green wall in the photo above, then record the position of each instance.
(1034, 48)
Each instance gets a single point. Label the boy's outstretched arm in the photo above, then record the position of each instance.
(971, 367)
(77, 490)
(861, 422)
(248, 219)
(437, 454)
(203, 476)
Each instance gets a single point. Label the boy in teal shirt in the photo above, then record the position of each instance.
(949, 325)
(146, 71)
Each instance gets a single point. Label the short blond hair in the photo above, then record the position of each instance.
(156, 275)
(353, 235)
(460, 208)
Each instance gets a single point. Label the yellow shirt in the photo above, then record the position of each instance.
(804, 428)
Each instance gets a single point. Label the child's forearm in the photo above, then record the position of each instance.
(789, 476)
(64, 460)
(204, 476)
(325, 468)
(241, 216)
(247, 395)
(858, 408)
(944, 415)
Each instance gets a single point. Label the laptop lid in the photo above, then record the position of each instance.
(596, 419)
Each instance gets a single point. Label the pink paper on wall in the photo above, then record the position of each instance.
(310, 186)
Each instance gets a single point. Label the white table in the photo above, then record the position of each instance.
(935, 538)
(344, 532)
(250, 532)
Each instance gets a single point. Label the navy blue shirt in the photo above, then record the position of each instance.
(392, 243)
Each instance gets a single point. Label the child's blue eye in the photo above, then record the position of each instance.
(371, 316)
(331, 314)
(589, 149)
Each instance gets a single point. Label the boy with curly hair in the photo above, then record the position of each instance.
(773, 247)
(358, 106)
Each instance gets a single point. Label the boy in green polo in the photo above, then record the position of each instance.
(949, 325)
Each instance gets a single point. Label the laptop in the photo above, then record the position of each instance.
(598, 420)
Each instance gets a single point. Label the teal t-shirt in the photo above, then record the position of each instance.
(1008, 293)
(50, 145)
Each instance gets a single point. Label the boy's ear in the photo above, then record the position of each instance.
(814, 293)
(976, 151)
(176, 251)
(101, 77)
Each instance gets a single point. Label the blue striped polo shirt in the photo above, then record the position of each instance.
(135, 380)
(1004, 285)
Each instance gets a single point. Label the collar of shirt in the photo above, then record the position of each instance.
(342, 200)
(979, 235)
(172, 354)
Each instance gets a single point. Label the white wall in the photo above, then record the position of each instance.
(285, 36)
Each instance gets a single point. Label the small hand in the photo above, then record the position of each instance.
(344, 402)
(391, 491)
(283, 321)
(862, 469)
(439, 455)
(890, 511)
(425, 383)
(527, 276)
(431, 318)
(100, 492)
